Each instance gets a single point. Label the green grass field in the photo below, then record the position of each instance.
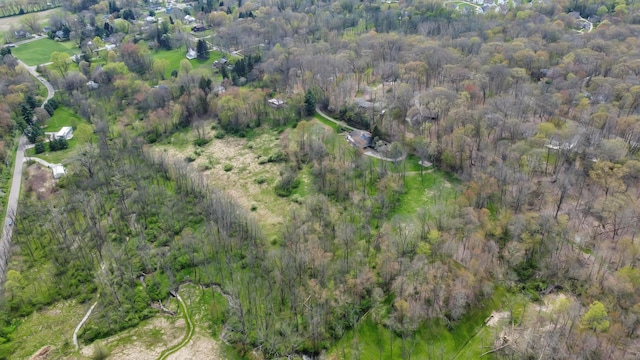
(82, 133)
(465, 339)
(421, 191)
(53, 325)
(174, 57)
(327, 122)
(63, 116)
(39, 51)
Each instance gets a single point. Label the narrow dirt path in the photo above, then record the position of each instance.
(190, 330)
(75, 332)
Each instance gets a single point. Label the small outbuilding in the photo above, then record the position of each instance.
(198, 28)
(21, 34)
(58, 171)
(220, 63)
(192, 54)
(93, 85)
(276, 103)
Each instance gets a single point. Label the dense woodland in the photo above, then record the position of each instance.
(536, 117)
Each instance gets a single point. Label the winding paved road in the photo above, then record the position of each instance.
(12, 203)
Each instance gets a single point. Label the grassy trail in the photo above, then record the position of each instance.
(190, 330)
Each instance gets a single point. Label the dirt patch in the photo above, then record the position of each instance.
(538, 319)
(497, 317)
(43, 353)
(548, 303)
(200, 347)
(144, 342)
(40, 181)
(247, 160)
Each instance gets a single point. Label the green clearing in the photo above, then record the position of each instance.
(422, 191)
(55, 157)
(53, 325)
(465, 339)
(327, 122)
(39, 51)
(63, 116)
(174, 57)
(82, 134)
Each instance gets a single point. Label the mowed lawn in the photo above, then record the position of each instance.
(39, 51)
(174, 57)
(82, 134)
(63, 116)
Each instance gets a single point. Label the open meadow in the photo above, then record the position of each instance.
(39, 51)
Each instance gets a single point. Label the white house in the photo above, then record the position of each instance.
(276, 103)
(192, 54)
(58, 171)
(93, 85)
(64, 133)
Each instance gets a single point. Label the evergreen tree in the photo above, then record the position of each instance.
(27, 113)
(224, 72)
(239, 68)
(30, 101)
(39, 148)
(58, 144)
(205, 84)
(202, 50)
(309, 103)
(33, 133)
(128, 15)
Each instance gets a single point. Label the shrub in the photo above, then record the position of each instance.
(39, 148)
(219, 134)
(261, 180)
(99, 352)
(190, 158)
(58, 144)
(151, 137)
(278, 156)
(49, 109)
(227, 167)
(254, 207)
(200, 142)
(206, 166)
(54, 103)
(262, 160)
(287, 183)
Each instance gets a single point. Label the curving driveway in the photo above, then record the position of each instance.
(12, 202)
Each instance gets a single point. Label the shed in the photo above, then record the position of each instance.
(276, 103)
(191, 54)
(58, 171)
